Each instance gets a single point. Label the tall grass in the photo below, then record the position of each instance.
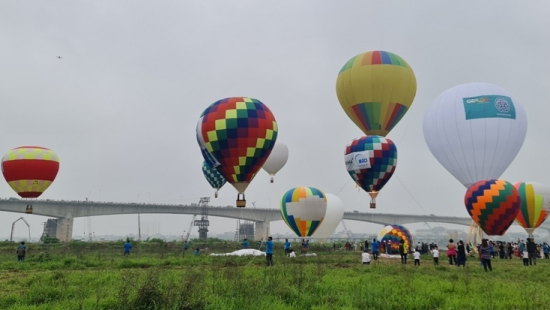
(81, 278)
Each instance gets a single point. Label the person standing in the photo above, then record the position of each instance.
(403, 252)
(416, 255)
(287, 246)
(545, 250)
(375, 249)
(367, 245)
(435, 253)
(269, 251)
(485, 255)
(532, 250)
(525, 258)
(260, 245)
(185, 245)
(21, 252)
(451, 252)
(461, 254)
(245, 244)
(365, 258)
(304, 247)
(127, 247)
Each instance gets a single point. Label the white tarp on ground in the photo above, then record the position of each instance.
(243, 252)
(389, 256)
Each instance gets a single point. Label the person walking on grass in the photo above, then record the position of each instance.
(485, 255)
(365, 258)
(416, 255)
(532, 250)
(451, 252)
(269, 251)
(435, 254)
(525, 258)
(21, 252)
(461, 254)
(403, 252)
(375, 249)
(127, 247)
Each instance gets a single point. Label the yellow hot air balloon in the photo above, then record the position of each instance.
(375, 90)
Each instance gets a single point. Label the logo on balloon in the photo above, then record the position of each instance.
(361, 160)
(502, 105)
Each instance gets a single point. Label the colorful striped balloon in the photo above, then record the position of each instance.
(239, 133)
(493, 205)
(214, 178)
(303, 209)
(534, 199)
(376, 89)
(30, 170)
(393, 234)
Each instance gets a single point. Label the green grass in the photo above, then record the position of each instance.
(97, 276)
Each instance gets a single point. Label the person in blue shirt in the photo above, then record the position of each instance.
(185, 245)
(287, 246)
(245, 244)
(197, 252)
(375, 252)
(21, 251)
(545, 250)
(127, 247)
(269, 251)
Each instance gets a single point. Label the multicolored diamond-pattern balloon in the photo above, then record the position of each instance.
(213, 177)
(393, 234)
(239, 132)
(371, 161)
(493, 205)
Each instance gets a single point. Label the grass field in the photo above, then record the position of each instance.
(156, 276)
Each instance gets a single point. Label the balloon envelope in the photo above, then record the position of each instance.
(371, 161)
(534, 199)
(376, 89)
(493, 205)
(475, 131)
(333, 217)
(393, 234)
(277, 159)
(30, 170)
(303, 209)
(214, 178)
(239, 132)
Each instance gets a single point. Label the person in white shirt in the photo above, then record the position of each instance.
(525, 256)
(416, 255)
(291, 254)
(435, 253)
(365, 257)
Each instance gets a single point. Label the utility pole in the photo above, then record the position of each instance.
(203, 223)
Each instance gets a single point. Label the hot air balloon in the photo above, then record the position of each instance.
(276, 160)
(535, 198)
(303, 209)
(475, 131)
(493, 205)
(239, 133)
(393, 234)
(333, 217)
(213, 177)
(371, 161)
(375, 90)
(30, 170)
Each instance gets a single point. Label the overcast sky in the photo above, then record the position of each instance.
(120, 107)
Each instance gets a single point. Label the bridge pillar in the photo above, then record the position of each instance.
(261, 231)
(60, 228)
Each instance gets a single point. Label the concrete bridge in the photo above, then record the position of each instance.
(65, 211)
